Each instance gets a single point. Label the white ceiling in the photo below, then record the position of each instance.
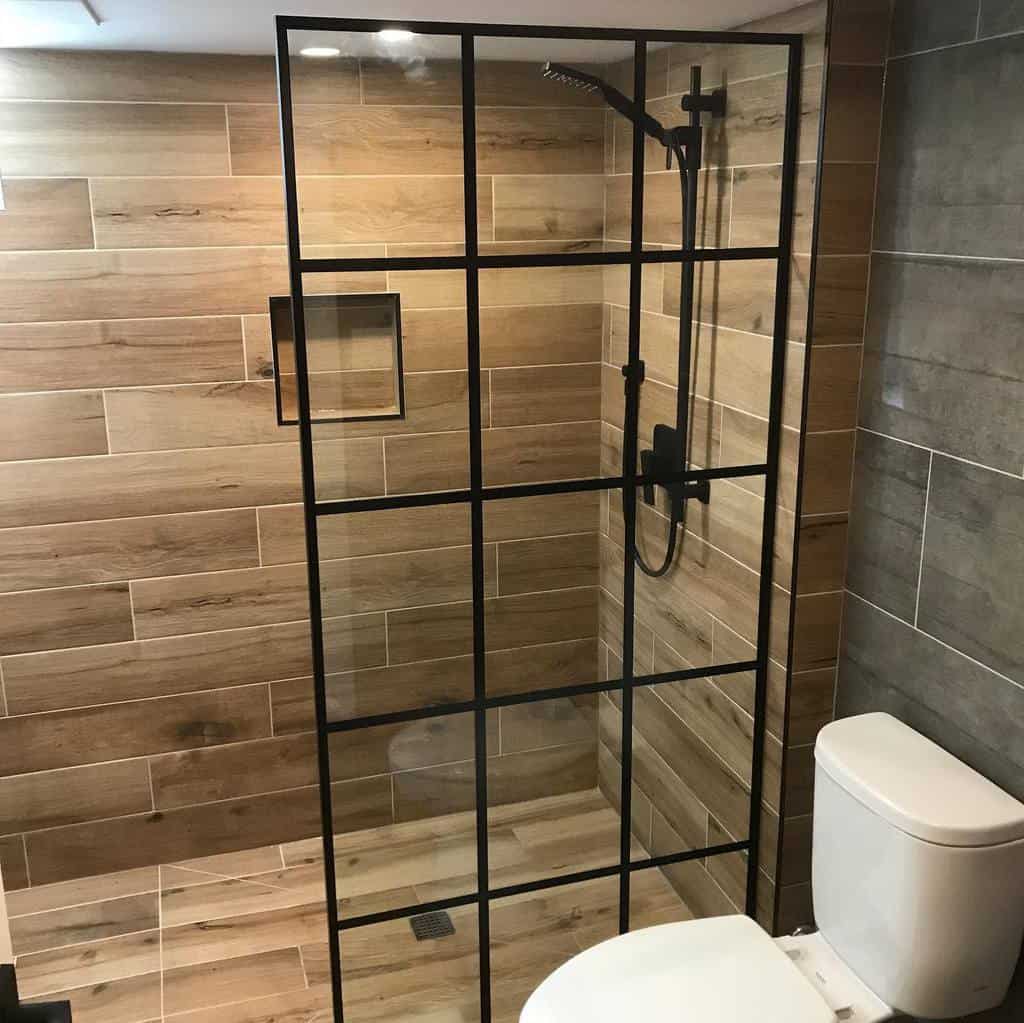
(246, 26)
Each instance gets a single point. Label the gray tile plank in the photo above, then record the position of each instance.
(944, 341)
(923, 24)
(886, 519)
(974, 713)
(972, 577)
(952, 137)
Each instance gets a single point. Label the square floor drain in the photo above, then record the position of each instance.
(432, 925)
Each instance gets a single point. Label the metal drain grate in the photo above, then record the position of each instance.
(432, 925)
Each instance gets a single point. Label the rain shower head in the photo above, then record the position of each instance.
(566, 75)
(576, 79)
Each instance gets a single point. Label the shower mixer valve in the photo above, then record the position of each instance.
(663, 460)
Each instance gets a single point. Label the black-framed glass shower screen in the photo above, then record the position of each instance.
(460, 497)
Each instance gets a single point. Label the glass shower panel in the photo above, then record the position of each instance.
(404, 342)
(404, 813)
(551, 810)
(378, 144)
(535, 933)
(391, 977)
(728, 379)
(734, 194)
(544, 144)
(540, 353)
(396, 592)
(543, 623)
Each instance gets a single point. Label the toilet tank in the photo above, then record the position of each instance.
(918, 869)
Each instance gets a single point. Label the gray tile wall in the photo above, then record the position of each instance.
(933, 627)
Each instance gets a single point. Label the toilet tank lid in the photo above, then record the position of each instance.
(916, 785)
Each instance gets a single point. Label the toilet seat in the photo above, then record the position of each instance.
(719, 970)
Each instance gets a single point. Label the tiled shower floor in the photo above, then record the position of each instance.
(239, 938)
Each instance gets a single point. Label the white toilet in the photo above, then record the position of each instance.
(918, 882)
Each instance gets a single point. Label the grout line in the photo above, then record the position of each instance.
(955, 46)
(270, 709)
(92, 213)
(227, 139)
(302, 964)
(941, 453)
(160, 931)
(924, 532)
(942, 643)
(152, 790)
(3, 692)
(28, 867)
(977, 22)
(259, 542)
(948, 255)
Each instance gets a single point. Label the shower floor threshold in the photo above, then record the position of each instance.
(240, 937)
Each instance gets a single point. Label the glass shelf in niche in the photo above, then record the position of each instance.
(337, 326)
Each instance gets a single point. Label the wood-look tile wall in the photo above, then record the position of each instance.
(693, 741)
(154, 647)
(858, 36)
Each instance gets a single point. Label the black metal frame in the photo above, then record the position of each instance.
(635, 257)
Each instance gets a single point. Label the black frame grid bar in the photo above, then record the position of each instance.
(471, 262)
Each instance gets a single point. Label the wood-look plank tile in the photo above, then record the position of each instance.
(65, 617)
(93, 963)
(161, 667)
(816, 630)
(80, 489)
(121, 76)
(125, 1000)
(555, 616)
(514, 778)
(141, 283)
(52, 798)
(231, 864)
(202, 830)
(46, 213)
(75, 893)
(79, 924)
(119, 353)
(233, 979)
(59, 139)
(214, 601)
(535, 336)
(545, 206)
(302, 1006)
(13, 863)
(755, 117)
(854, 112)
(409, 208)
(52, 425)
(282, 537)
(239, 769)
(524, 140)
(527, 566)
(349, 139)
(151, 212)
(245, 935)
(119, 549)
(114, 731)
(847, 203)
(548, 723)
(834, 379)
(545, 394)
(756, 198)
(203, 897)
(525, 454)
(378, 582)
(840, 296)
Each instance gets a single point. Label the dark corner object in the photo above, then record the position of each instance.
(478, 493)
(14, 1011)
(333, 322)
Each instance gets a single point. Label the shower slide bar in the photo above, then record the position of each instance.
(475, 496)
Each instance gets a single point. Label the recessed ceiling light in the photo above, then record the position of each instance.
(394, 35)
(320, 51)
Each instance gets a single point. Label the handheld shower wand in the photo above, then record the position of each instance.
(668, 453)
